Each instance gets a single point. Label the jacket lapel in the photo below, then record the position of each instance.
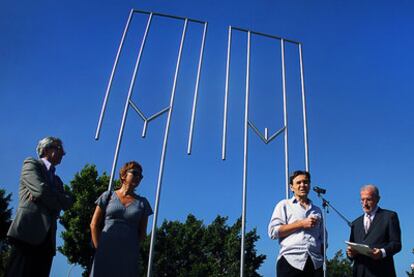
(360, 227)
(374, 222)
(377, 219)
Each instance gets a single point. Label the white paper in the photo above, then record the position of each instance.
(360, 248)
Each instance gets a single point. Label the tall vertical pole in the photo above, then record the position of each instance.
(131, 88)
(246, 136)
(200, 62)
(108, 88)
(305, 123)
(226, 95)
(164, 149)
(285, 117)
(324, 241)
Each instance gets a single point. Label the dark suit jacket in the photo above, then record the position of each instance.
(384, 232)
(41, 198)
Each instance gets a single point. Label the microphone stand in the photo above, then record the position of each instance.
(326, 205)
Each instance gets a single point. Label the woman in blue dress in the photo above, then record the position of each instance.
(125, 216)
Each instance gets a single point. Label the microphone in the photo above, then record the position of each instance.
(319, 190)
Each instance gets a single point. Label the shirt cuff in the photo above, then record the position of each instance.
(275, 232)
(384, 254)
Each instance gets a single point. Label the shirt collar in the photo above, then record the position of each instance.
(294, 200)
(372, 214)
(47, 163)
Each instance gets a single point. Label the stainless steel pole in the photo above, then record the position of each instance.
(285, 116)
(324, 242)
(131, 88)
(164, 149)
(200, 62)
(305, 122)
(108, 88)
(246, 136)
(226, 95)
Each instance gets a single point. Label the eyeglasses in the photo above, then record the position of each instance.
(136, 173)
(58, 148)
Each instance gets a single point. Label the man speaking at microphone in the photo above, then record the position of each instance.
(297, 223)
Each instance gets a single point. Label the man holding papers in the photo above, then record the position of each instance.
(380, 230)
(297, 223)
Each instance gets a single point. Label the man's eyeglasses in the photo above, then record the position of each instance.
(58, 148)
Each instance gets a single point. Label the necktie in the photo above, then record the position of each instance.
(51, 173)
(367, 223)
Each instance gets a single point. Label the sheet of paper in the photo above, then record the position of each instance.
(361, 248)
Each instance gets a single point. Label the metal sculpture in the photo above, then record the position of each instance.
(147, 120)
(266, 138)
(247, 123)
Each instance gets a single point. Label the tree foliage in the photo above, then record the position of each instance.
(193, 249)
(85, 187)
(411, 273)
(181, 249)
(5, 221)
(339, 266)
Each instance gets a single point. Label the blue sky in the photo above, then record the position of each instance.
(56, 58)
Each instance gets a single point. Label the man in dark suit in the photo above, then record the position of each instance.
(41, 198)
(380, 230)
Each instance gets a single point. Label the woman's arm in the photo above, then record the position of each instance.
(142, 228)
(95, 226)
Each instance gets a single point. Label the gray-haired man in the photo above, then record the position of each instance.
(41, 198)
(378, 228)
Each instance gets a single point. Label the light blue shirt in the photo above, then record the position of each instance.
(303, 243)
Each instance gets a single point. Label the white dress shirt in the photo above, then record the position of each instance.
(303, 243)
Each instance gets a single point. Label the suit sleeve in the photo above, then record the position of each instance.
(351, 238)
(33, 180)
(394, 233)
(64, 198)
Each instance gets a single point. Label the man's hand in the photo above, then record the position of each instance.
(309, 222)
(376, 254)
(351, 252)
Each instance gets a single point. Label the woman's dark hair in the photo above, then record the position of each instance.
(296, 173)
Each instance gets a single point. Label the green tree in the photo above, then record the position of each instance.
(193, 249)
(181, 249)
(411, 274)
(5, 221)
(85, 187)
(339, 266)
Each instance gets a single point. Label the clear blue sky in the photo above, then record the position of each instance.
(55, 61)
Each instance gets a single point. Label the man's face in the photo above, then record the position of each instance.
(55, 153)
(369, 200)
(300, 186)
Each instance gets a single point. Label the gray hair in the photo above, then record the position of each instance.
(372, 187)
(46, 143)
